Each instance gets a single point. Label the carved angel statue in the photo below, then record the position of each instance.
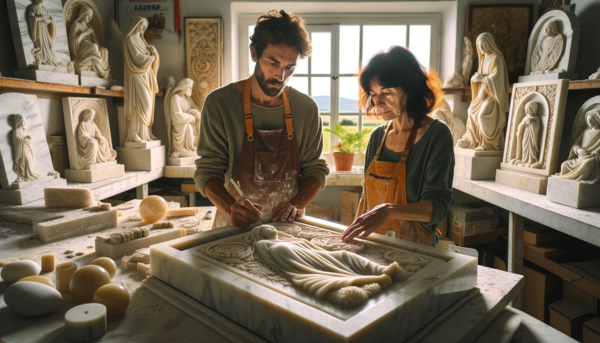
(24, 165)
(88, 54)
(489, 88)
(457, 127)
(183, 120)
(528, 135)
(43, 31)
(583, 163)
(141, 65)
(341, 277)
(92, 146)
(548, 50)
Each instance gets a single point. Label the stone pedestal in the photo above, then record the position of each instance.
(48, 76)
(30, 194)
(548, 76)
(142, 159)
(476, 165)
(182, 161)
(525, 181)
(89, 79)
(573, 193)
(96, 172)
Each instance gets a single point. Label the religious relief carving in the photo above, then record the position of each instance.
(549, 49)
(528, 137)
(334, 243)
(84, 43)
(183, 120)
(489, 88)
(583, 164)
(92, 146)
(457, 127)
(43, 31)
(24, 165)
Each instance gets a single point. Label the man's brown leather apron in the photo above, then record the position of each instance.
(269, 168)
(385, 182)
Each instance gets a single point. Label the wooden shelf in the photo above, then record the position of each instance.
(56, 90)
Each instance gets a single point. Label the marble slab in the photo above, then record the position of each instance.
(476, 167)
(474, 153)
(142, 159)
(48, 76)
(182, 161)
(525, 181)
(549, 76)
(119, 250)
(573, 193)
(92, 81)
(502, 329)
(31, 194)
(142, 145)
(282, 313)
(95, 174)
(184, 172)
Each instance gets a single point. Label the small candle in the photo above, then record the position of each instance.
(85, 322)
(47, 263)
(64, 273)
(183, 232)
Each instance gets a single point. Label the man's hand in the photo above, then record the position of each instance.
(285, 212)
(244, 213)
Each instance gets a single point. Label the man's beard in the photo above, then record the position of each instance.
(264, 84)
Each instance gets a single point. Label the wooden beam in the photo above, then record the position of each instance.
(516, 228)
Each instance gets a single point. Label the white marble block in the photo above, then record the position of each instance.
(92, 81)
(573, 193)
(18, 14)
(262, 302)
(476, 165)
(552, 47)
(533, 134)
(181, 161)
(26, 105)
(142, 159)
(89, 164)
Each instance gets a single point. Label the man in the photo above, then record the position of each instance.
(264, 135)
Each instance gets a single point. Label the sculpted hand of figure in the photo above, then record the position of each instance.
(43, 31)
(92, 146)
(528, 132)
(583, 163)
(489, 88)
(183, 120)
(548, 51)
(342, 277)
(87, 52)
(285, 212)
(24, 165)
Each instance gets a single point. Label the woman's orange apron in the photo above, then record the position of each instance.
(385, 182)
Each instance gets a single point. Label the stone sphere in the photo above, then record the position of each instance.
(106, 263)
(17, 270)
(38, 278)
(32, 299)
(114, 297)
(153, 209)
(86, 281)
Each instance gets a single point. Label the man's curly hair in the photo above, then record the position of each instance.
(275, 27)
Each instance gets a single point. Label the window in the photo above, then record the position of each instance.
(341, 46)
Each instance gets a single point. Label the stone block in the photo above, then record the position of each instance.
(182, 161)
(548, 76)
(349, 206)
(92, 81)
(27, 195)
(142, 159)
(127, 248)
(76, 223)
(476, 168)
(525, 181)
(95, 174)
(573, 193)
(142, 145)
(48, 76)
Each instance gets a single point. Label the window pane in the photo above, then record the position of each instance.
(301, 66)
(321, 53)
(326, 135)
(299, 83)
(349, 46)
(420, 43)
(348, 94)
(250, 62)
(321, 91)
(378, 38)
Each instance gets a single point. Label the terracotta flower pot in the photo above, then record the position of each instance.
(343, 162)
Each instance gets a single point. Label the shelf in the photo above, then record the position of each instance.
(56, 90)
(583, 224)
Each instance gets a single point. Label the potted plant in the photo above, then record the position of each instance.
(349, 144)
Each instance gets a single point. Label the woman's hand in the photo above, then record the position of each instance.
(367, 223)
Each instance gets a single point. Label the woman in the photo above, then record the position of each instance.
(24, 165)
(528, 135)
(92, 146)
(405, 196)
(183, 120)
(87, 52)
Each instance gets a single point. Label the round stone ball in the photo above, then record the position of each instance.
(86, 281)
(106, 263)
(114, 297)
(32, 299)
(38, 278)
(153, 209)
(17, 270)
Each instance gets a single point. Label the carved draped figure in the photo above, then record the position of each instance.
(141, 66)
(528, 132)
(88, 53)
(24, 165)
(584, 168)
(92, 146)
(548, 51)
(324, 274)
(445, 114)
(182, 125)
(487, 111)
(43, 30)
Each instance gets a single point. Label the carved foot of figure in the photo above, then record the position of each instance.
(349, 297)
(135, 138)
(396, 272)
(480, 148)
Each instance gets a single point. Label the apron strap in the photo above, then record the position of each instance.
(410, 142)
(248, 119)
(288, 116)
(387, 128)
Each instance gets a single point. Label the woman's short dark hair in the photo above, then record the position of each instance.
(399, 68)
(275, 27)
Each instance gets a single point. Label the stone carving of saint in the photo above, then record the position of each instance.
(528, 132)
(342, 277)
(141, 65)
(92, 146)
(548, 50)
(489, 89)
(43, 30)
(24, 165)
(457, 127)
(583, 163)
(88, 54)
(183, 120)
